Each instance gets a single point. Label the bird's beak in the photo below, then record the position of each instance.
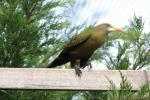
(113, 29)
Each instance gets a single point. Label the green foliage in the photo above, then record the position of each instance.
(36, 95)
(132, 47)
(27, 30)
(121, 92)
(29, 35)
(125, 91)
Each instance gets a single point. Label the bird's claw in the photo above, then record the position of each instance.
(89, 65)
(78, 71)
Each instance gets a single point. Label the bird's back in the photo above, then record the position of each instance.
(89, 46)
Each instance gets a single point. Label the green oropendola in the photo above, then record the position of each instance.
(82, 46)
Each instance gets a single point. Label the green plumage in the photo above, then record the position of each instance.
(82, 46)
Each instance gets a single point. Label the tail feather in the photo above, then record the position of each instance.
(58, 61)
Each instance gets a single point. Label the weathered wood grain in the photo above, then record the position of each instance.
(65, 79)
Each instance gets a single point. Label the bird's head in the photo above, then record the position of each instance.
(108, 28)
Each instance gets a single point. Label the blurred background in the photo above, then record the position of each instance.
(116, 12)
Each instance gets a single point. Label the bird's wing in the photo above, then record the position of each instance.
(77, 41)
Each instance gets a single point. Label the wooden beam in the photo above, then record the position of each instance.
(65, 79)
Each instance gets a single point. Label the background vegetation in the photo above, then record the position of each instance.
(32, 33)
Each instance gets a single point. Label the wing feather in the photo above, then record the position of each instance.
(77, 41)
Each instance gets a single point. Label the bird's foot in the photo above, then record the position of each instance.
(89, 65)
(78, 71)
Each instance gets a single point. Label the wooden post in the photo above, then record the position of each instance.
(65, 79)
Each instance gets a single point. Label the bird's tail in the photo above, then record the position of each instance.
(58, 61)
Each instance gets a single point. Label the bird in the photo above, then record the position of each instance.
(82, 46)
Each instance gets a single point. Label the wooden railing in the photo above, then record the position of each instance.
(65, 79)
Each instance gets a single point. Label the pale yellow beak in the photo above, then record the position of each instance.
(112, 29)
(119, 30)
